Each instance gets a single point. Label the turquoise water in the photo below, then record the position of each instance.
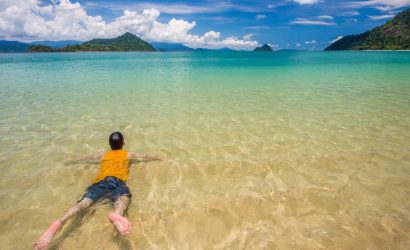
(287, 150)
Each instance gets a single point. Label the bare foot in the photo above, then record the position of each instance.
(42, 243)
(121, 223)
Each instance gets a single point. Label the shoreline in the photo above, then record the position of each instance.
(63, 52)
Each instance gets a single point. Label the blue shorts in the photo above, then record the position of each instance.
(109, 187)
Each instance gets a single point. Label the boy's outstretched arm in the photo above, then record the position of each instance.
(96, 157)
(143, 157)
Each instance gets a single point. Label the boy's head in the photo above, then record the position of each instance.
(116, 141)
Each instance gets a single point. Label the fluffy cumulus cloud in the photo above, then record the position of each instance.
(62, 20)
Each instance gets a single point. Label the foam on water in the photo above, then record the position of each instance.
(289, 150)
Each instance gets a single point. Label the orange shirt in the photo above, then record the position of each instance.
(114, 163)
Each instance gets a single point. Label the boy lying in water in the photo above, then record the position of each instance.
(109, 182)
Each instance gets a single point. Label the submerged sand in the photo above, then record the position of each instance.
(281, 155)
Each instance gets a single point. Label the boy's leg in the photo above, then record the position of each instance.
(45, 239)
(120, 222)
(83, 204)
(121, 204)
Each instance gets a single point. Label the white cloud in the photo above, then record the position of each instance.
(308, 2)
(273, 46)
(260, 17)
(311, 42)
(174, 8)
(349, 13)
(306, 21)
(336, 39)
(382, 5)
(168, 8)
(257, 27)
(381, 17)
(298, 45)
(248, 37)
(62, 20)
(325, 17)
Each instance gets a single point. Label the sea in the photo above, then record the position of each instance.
(282, 150)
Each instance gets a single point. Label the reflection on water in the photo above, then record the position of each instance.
(291, 151)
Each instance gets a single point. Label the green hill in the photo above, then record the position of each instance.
(126, 42)
(394, 35)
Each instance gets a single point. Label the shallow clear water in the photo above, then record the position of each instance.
(287, 150)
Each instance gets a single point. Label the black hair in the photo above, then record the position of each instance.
(116, 140)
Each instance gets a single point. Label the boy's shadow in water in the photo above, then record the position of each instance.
(75, 224)
(122, 242)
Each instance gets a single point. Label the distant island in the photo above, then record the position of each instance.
(160, 46)
(125, 42)
(265, 47)
(13, 47)
(20, 47)
(394, 35)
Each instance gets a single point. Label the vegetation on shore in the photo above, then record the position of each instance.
(125, 42)
(394, 35)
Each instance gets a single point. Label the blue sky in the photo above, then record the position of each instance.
(285, 24)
